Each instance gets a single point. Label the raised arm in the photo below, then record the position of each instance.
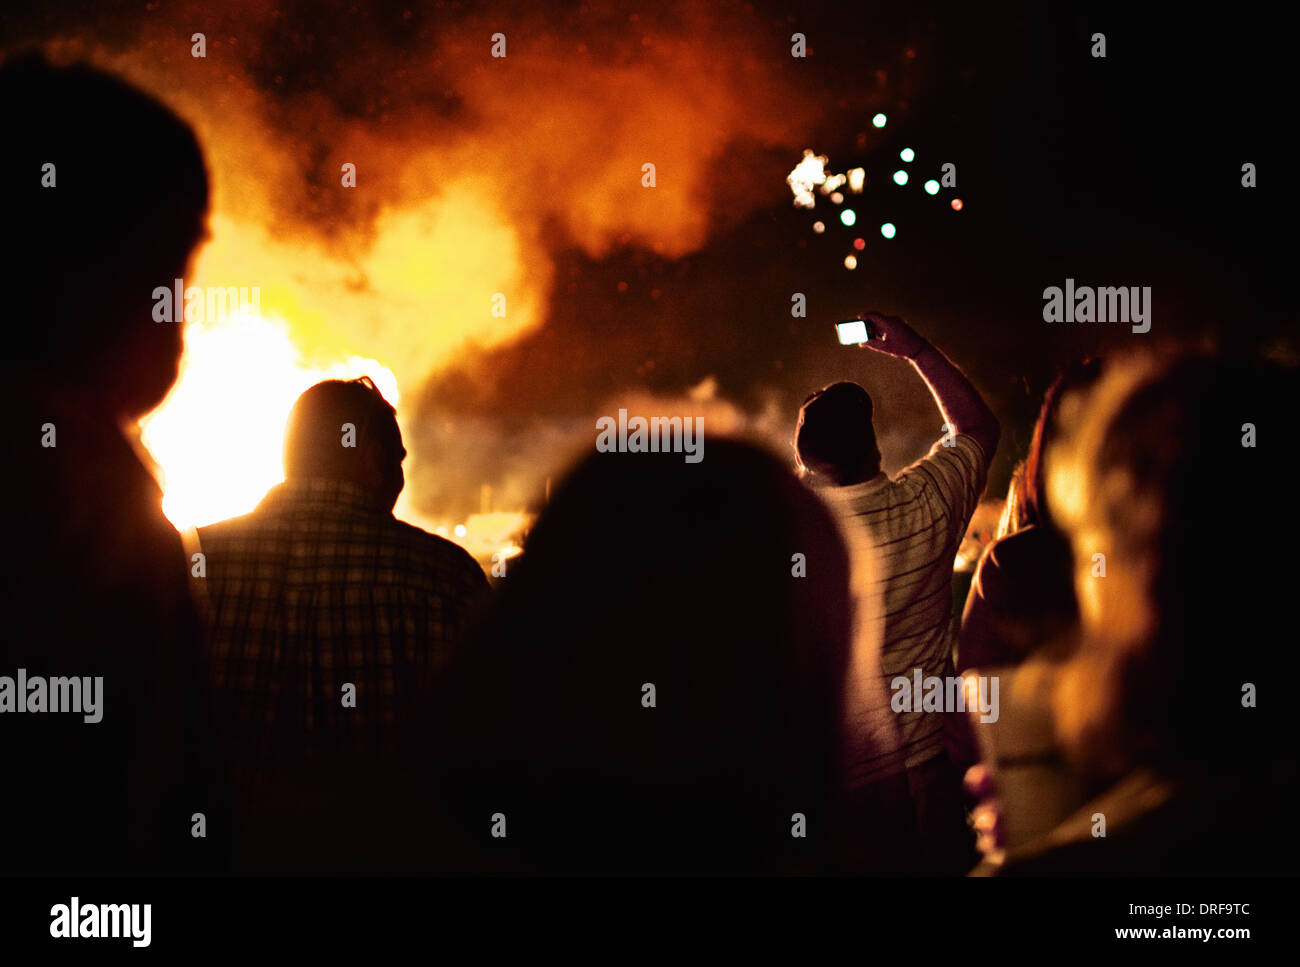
(963, 409)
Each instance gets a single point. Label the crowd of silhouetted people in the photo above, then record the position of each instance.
(692, 669)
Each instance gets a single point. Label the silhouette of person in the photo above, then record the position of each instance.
(1160, 712)
(330, 622)
(912, 524)
(1022, 595)
(105, 196)
(660, 688)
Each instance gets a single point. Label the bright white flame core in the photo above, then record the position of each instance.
(218, 435)
(807, 175)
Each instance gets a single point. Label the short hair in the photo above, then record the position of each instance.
(128, 205)
(835, 433)
(314, 432)
(751, 682)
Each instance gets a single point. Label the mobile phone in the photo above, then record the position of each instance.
(852, 332)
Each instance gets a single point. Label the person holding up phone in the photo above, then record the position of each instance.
(906, 790)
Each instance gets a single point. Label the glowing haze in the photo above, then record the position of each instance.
(469, 169)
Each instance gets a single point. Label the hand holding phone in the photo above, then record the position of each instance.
(852, 332)
(892, 336)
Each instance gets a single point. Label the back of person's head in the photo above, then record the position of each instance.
(1075, 378)
(835, 437)
(1181, 528)
(345, 429)
(105, 198)
(660, 688)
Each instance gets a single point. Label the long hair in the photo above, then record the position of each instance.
(1033, 504)
(1182, 597)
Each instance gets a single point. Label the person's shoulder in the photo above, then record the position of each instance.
(868, 496)
(1030, 551)
(433, 547)
(961, 449)
(1015, 549)
(1000, 562)
(231, 529)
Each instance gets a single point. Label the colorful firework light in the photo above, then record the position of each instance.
(811, 178)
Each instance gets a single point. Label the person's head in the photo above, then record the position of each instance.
(661, 685)
(1033, 504)
(834, 438)
(105, 196)
(1182, 527)
(346, 430)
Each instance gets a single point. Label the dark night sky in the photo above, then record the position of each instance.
(1122, 171)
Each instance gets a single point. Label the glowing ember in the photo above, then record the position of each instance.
(832, 182)
(497, 533)
(217, 437)
(857, 178)
(807, 175)
(850, 262)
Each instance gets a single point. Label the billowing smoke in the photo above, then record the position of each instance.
(471, 171)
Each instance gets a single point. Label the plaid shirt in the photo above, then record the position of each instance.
(318, 588)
